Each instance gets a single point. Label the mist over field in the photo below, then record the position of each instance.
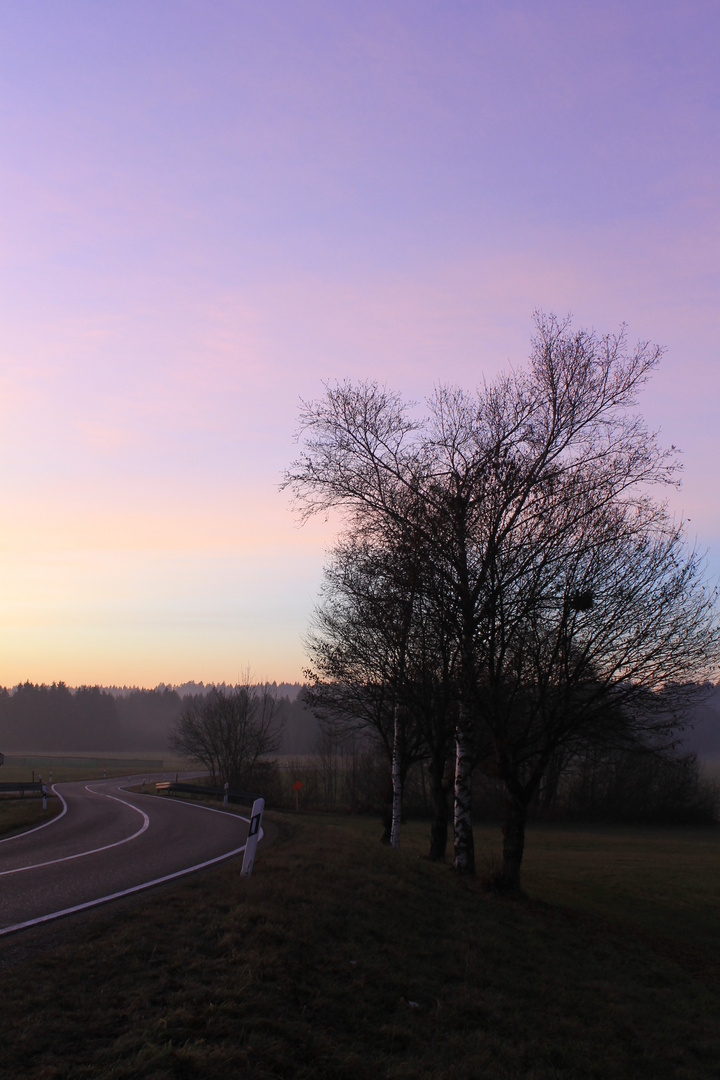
(93, 719)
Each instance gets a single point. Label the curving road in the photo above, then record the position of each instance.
(107, 842)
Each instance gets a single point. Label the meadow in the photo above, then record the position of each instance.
(341, 958)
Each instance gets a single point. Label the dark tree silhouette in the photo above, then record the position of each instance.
(530, 498)
(384, 664)
(229, 731)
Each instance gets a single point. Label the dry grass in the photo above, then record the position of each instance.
(17, 815)
(340, 958)
(63, 773)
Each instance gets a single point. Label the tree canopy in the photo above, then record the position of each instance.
(525, 515)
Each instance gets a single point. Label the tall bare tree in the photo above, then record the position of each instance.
(359, 648)
(384, 662)
(499, 488)
(590, 647)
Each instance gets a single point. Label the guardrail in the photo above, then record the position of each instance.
(21, 786)
(170, 787)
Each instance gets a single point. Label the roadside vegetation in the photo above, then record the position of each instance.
(341, 958)
(16, 815)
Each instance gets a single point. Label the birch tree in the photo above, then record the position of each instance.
(494, 485)
(359, 647)
(384, 661)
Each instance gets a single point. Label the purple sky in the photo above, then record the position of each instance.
(209, 208)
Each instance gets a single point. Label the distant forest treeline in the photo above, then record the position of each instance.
(59, 719)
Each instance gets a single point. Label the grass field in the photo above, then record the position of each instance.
(80, 767)
(340, 958)
(16, 815)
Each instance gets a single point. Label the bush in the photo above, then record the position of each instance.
(636, 787)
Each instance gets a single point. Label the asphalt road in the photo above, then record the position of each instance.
(107, 843)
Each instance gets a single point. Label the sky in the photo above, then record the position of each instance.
(209, 209)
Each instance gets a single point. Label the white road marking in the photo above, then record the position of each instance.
(212, 809)
(57, 817)
(92, 851)
(44, 825)
(123, 892)
(134, 888)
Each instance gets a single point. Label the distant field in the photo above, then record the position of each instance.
(342, 959)
(661, 883)
(86, 761)
(66, 767)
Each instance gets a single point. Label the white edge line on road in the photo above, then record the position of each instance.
(57, 817)
(199, 806)
(94, 851)
(123, 892)
(135, 888)
(45, 824)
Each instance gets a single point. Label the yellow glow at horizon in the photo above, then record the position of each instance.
(137, 598)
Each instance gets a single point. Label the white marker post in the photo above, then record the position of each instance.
(225, 800)
(253, 837)
(44, 790)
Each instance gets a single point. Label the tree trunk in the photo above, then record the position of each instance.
(513, 842)
(397, 785)
(441, 812)
(464, 861)
(387, 811)
(551, 781)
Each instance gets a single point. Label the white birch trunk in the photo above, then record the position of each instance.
(464, 861)
(396, 779)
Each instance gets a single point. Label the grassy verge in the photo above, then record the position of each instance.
(340, 958)
(20, 814)
(663, 884)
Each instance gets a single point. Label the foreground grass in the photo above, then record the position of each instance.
(20, 814)
(340, 958)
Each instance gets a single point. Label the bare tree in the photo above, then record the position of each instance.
(502, 489)
(359, 647)
(384, 663)
(229, 731)
(590, 648)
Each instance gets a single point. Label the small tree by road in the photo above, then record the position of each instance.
(229, 731)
